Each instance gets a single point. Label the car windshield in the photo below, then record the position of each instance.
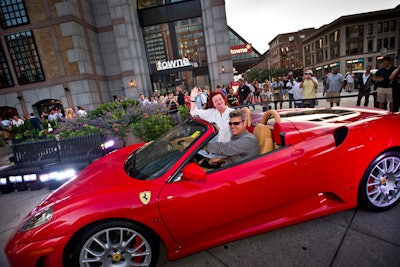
(155, 158)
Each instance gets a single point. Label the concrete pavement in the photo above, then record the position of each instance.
(350, 238)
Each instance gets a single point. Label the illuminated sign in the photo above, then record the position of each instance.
(241, 49)
(173, 64)
(354, 61)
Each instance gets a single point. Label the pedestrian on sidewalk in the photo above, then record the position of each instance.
(297, 94)
(266, 96)
(349, 81)
(334, 85)
(277, 89)
(364, 86)
(289, 85)
(384, 88)
(395, 78)
(309, 86)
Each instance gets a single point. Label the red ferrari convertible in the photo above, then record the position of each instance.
(118, 211)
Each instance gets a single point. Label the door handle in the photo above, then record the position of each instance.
(297, 152)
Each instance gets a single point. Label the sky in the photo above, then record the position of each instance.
(260, 21)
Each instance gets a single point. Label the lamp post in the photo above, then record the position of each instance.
(269, 69)
(285, 59)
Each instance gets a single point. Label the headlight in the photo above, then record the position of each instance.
(37, 220)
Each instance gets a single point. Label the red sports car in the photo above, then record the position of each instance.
(118, 211)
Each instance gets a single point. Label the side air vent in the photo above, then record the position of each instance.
(340, 134)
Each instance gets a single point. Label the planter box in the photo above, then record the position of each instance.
(34, 160)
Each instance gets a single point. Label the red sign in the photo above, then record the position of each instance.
(241, 49)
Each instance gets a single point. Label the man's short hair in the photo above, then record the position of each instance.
(238, 113)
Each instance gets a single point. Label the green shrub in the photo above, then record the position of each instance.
(115, 119)
(152, 127)
(184, 112)
(117, 108)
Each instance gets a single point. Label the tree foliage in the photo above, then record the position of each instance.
(262, 74)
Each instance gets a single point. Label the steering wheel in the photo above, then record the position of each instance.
(268, 114)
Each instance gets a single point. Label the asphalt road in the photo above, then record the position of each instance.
(351, 238)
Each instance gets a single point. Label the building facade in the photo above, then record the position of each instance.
(286, 50)
(82, 53)
(354, 42)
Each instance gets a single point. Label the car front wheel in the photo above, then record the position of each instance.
(116, 243)
(380, 186)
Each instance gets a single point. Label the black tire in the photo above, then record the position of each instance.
(141, 246)
(379, 189)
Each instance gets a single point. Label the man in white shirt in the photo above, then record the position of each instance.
(16, 121)
(201, 100)
(53, 115)
(350, 81)
(81, 112)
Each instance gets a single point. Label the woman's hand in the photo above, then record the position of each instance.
(194, 93)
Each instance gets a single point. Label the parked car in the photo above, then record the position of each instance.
(118, 210)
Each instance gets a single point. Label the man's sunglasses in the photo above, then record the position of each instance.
(235, 123)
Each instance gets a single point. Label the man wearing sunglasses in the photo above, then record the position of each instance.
(243, 145)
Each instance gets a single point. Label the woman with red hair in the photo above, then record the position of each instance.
(218, 112)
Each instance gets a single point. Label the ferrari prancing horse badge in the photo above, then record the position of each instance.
(145, 197)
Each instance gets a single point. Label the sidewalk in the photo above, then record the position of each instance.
(347, 99)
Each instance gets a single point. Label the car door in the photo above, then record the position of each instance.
(244, 198)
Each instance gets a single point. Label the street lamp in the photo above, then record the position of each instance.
(284, 53)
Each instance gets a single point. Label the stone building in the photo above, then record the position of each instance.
(82, 53)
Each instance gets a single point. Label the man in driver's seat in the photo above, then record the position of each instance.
(243, 145)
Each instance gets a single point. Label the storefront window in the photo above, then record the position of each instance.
(190, 41)
(173, 52)
(176, 54)
(354, 64)
(186, 79)
(156, 39)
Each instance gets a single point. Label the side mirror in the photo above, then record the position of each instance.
(193, 172)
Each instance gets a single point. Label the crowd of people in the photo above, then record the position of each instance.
(298, 90)
(383, 86)
(8, 125)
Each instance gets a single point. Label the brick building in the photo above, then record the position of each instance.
(353, 42)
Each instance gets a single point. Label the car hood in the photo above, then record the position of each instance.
(101, 191)
(106, 173)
